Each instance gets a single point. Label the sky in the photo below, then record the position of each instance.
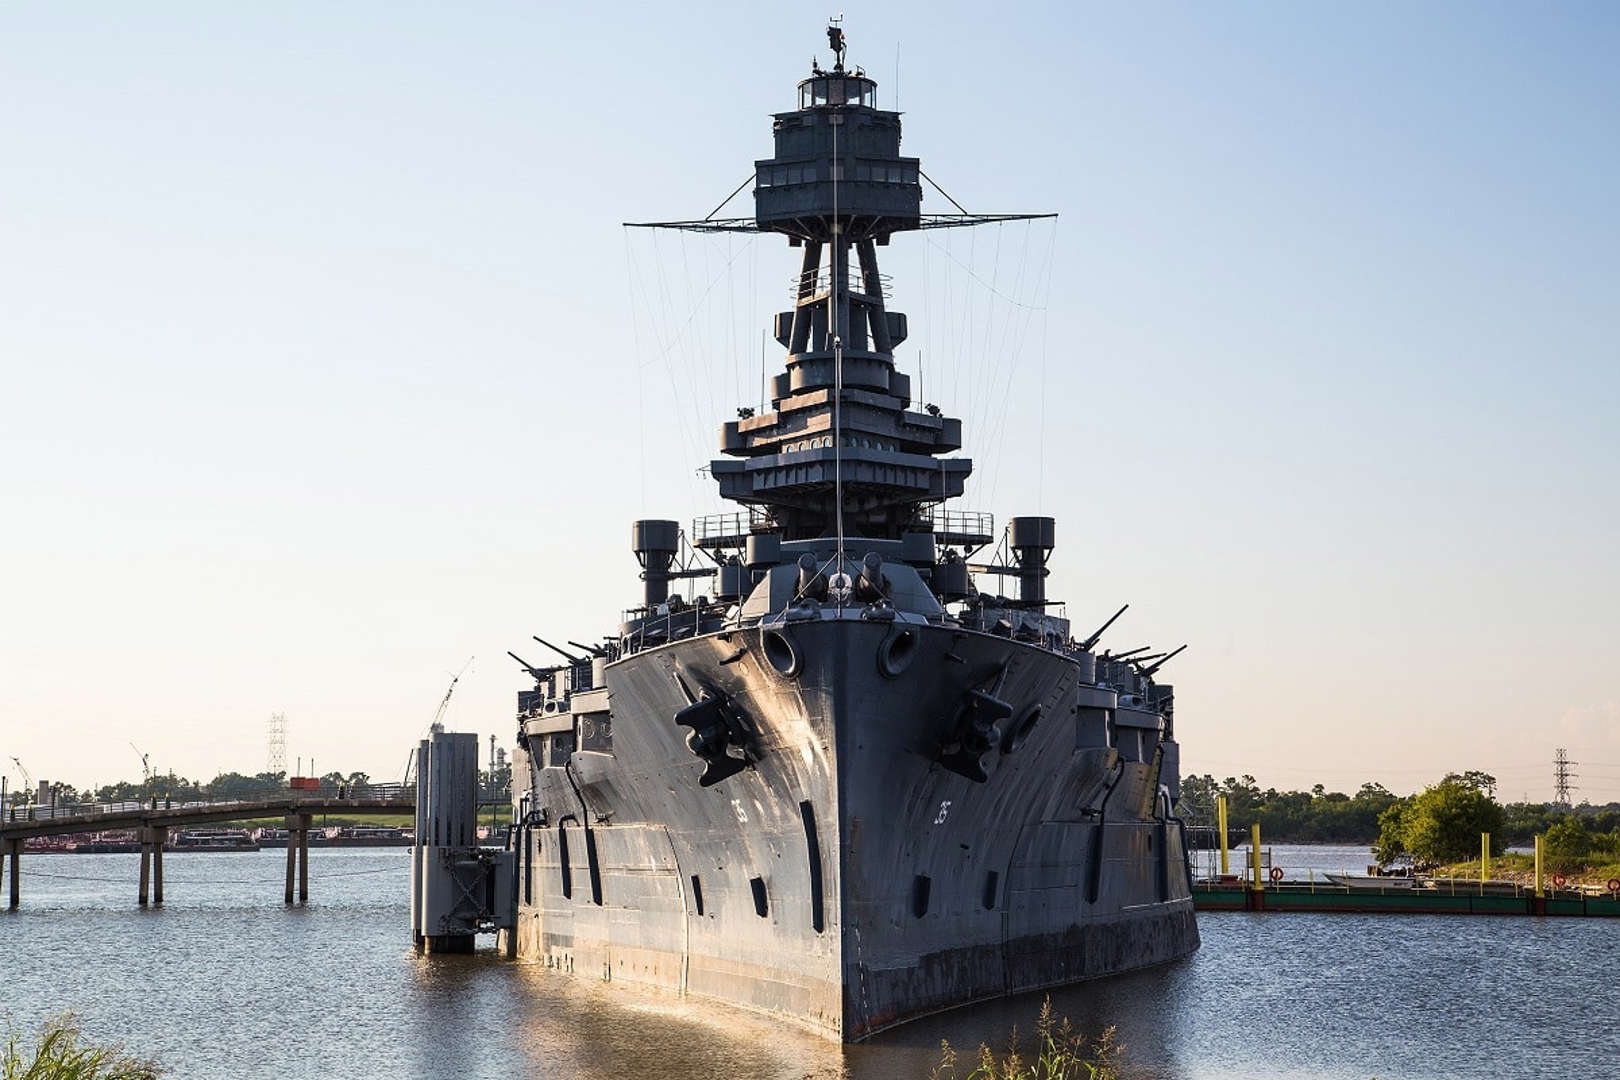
(329, 366)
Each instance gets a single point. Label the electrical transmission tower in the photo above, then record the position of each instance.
(1562, 776)
(278, 743)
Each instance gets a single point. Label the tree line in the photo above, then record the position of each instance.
(1442, 823)
(227, 785)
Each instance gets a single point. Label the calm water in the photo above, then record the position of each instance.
(226, 982)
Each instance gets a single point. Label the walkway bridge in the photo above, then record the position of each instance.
(152, 822)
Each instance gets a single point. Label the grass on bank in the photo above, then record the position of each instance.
(1059, 1053)
(1522, 869)
(60, 1052)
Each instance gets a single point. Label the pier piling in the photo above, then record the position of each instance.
(1540, 903)
(1220, 827)
(142, 892)
(1255, 897)
(153, 837)
(297, 857)
(160, 835)
(16, 869)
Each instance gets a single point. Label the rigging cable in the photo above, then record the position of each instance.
(992, 360)
(641, 387)
(1043, 290)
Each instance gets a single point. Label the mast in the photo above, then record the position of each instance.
(843, 448)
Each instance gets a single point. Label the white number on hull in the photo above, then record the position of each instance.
(742, 815)
(944, 812)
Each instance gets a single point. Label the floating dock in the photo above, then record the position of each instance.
(1445, 898)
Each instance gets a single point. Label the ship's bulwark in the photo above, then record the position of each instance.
(847, 881)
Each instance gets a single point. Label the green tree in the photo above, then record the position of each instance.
(1443, 823)
(1479, 781)
(1391, 843)
(1569, 838)
(1197, 801)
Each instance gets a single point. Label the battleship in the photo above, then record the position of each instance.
(869, 773)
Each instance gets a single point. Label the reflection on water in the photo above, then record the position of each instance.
(224, 981)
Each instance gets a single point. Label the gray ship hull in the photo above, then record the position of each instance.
(845, 880)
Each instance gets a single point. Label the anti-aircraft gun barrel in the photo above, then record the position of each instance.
(1085, 646)
(1157, 664)
(1127, 653)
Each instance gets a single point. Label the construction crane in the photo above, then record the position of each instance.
(438, 721)
(26, 794)
(146, 771)
(146, 764)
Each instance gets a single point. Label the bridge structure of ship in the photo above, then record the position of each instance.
(153, 821)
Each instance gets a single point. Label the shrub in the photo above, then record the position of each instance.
(1060, 1052)
(61, 1053)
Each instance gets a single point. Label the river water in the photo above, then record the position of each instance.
(224, 981)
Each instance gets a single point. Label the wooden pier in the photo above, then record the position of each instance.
(152, 825)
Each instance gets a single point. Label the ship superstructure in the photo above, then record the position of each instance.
(853, 782)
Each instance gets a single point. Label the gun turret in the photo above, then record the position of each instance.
(1165, 659)
(594, 650)
(1085, 646)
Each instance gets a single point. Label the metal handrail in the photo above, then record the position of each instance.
(819, 282)
(962, 522)
(712, 527)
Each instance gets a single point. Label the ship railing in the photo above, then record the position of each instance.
(817, 284)
(971, 528)
(726, 530)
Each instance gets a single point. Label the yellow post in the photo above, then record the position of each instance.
(1254, 854)
(1484, 857)
(1220, 826)
(1538, 867)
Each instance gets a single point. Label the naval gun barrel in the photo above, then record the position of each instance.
(565, 654)
(1165, 659)
(1123, 655)
(537, 673)
(594, 650)
(1085, 646)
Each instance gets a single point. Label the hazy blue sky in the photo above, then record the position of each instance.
(327, 364)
